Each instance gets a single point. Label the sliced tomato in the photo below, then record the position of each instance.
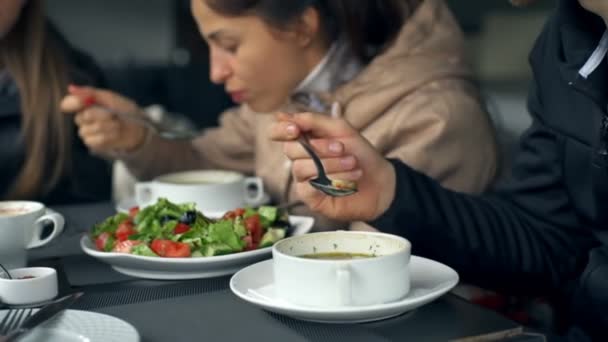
(181, 228)
(125, 229)
(254, 227)
(125, 246)
(178, 250)
(170, 249)
(231, 215)
(160, 247)
(248, 243)
(103, 240)
(133, 212)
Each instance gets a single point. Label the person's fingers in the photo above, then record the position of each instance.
(288, 126)
(105, 127)
(98, 142)
(81, 91)
(71, 104)
(104, 140)
(96, 114)
(323, 148)
(110, 99)
(91, 115)
(79, 119)
(87, 130)
(284, 131)
(353, 175)
(86, 135)
(102, 97)
(304, 169)
(89, 95)
(321, 126)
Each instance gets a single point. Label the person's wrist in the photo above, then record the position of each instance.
(137, 137)
(387, 188)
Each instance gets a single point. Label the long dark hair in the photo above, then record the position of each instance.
(41, 75)
(368, 24)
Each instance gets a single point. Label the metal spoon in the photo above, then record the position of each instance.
(163, 131)
(322, 182)
(6, 272)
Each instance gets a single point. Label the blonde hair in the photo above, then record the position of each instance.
(41, 74)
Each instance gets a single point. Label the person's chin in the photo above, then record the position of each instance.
(263, 106)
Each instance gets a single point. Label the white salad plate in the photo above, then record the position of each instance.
(429, 281)
(187, 268)
(81, 326)
(127, 203)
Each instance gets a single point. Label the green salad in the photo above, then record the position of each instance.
(171, 230)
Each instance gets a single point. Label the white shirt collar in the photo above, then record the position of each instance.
(596, 57)
(338, 66)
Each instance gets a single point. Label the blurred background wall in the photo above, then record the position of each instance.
(151, 51)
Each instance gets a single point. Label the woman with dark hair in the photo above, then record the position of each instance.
(41, 157)
(396, 67)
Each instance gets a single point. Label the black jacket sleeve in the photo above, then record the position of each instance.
(524, 237)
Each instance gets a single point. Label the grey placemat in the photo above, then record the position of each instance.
(141, 291)
(221, 316)
(183, 310)
(82, 270)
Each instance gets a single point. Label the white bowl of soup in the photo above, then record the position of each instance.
(342, 268)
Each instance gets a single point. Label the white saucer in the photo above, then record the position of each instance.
(82, 326)
(127, 203)
(429, 281)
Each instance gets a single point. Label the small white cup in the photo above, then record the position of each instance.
(382, 278)
(21, 227)
(42, 285)
(211, 190)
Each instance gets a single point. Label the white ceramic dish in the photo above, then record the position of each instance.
(335, 283)
(82, 326)
(187, 268)
(22, 224)
(210, 190)
(19, 290)
(429, 281)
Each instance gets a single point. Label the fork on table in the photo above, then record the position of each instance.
(13, 319)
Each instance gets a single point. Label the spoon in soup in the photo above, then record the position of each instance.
(334, 188)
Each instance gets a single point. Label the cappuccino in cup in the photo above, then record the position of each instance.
(21, 228)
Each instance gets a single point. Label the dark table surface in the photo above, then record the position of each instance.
(206, 309)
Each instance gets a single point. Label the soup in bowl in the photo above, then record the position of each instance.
(342, 268)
